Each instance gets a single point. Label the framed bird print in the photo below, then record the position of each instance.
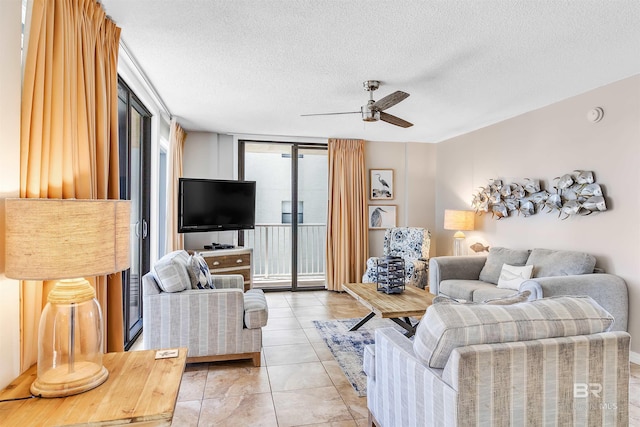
(382, 216)
(381, 183)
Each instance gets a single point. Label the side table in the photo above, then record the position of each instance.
(140, 390)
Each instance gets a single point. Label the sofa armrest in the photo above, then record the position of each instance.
(608, 290)
(228, 281)
(256, 311)
(454, 267)
(402, 391)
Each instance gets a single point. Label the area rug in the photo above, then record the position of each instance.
(348, 347)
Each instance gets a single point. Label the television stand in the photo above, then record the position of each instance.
(216, 246)
(230, 261)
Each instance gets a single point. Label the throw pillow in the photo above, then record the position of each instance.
(510, 299)
(446, 327)
(497, 258)
(199, 272)
(512, 276)
(516, 298)
(170, 271)
(550, 263)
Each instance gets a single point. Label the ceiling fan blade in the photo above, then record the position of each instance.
(329, 114)
(394, 120)
(390, 100)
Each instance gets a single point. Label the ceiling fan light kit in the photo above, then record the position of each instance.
(373, 110)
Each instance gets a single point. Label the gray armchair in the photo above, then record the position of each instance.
(224, 323)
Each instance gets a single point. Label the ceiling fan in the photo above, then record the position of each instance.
(373, 110)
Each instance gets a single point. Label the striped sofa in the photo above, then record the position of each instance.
(551, 361)
(223, 323)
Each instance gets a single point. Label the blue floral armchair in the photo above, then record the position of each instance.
(410, 243)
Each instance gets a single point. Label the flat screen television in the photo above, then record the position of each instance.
(215, 205)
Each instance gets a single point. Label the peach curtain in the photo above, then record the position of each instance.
(69, 135)
(347, 231)
(177, 136)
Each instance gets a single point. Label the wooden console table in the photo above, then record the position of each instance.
(140, 390)
(231, 261)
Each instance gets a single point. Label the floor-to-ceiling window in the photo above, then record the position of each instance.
(134, 133)
(291, 213)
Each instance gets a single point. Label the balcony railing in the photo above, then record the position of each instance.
(271, 245)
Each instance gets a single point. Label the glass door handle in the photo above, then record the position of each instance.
(145, 229)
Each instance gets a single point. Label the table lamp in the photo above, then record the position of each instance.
(459, 221)
(66, 240)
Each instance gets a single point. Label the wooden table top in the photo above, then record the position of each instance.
(140, 389)
(412, 302)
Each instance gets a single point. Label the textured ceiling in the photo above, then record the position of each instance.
(253, 67)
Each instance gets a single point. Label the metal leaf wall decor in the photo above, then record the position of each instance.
(574, 193)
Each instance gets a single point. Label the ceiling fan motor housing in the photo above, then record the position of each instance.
(370, 114)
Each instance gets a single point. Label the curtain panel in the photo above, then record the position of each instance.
(347, 231)
(177, 137)
(69, 136)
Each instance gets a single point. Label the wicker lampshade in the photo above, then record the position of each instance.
(67, 240)
(458, 220)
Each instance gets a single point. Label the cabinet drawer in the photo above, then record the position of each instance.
(228, 261)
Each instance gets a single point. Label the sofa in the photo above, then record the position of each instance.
(211, 315)
(551, 361)
(552, 273)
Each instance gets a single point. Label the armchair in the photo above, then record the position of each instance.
(412, 245)
(223, 323)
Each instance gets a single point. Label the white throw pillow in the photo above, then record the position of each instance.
(511, 276)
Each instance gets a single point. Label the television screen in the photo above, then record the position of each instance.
(215, 205)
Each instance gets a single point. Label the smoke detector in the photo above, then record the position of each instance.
(595, 115)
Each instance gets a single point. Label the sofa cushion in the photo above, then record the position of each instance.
(497, 258)
(170, 271)
(464, 289)
(548, 263)
(512, 276)
(199, 273)
(448, 326)
(512, 298)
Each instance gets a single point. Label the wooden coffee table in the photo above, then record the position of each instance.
(397, 307)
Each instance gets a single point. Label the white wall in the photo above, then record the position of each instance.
(10, 78)
(414, 185)
(211, 156)
(544, 144)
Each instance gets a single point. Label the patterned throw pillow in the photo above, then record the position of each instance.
(512, 276)
(199, 273)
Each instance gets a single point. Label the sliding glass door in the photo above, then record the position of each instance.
(134, 122)
(291, 205)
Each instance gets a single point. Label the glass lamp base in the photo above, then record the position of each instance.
(69, 341)
(59, 382)
(458, 246)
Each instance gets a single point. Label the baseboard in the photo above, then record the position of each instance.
(634, 357)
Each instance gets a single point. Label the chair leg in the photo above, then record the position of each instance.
(255, 357)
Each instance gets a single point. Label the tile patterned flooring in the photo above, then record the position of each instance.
(299, 382)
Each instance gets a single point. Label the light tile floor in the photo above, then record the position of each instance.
(299, 382)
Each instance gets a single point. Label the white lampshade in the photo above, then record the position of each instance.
(67, 240)
(459, 221)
